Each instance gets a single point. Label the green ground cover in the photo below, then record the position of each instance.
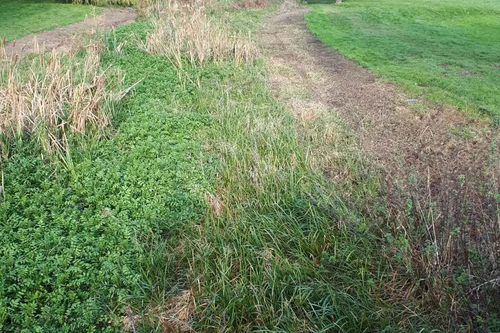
(73, 240)
(446, 50)
(204, 186)
(22, 17)
(128, 223)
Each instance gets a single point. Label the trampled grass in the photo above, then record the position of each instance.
(19, 18)
(448, 51)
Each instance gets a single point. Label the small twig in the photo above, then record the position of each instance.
(436, 250)
(476, 289)
(2, 188)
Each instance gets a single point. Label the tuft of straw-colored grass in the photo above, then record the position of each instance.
(52, 95)
(184, 31)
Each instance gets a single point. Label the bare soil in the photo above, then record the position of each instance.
(63, 38)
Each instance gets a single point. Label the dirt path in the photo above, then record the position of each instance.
(390, 128)
(62, 38)
(396, 132)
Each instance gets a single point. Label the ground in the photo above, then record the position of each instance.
(389, 127)
(19, 18)
(228, 189)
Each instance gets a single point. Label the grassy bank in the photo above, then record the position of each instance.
(20, 18)
(446, 51)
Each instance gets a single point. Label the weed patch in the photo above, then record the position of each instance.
(75, 240)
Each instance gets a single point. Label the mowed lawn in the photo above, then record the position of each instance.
(446, 50)
(22, 17)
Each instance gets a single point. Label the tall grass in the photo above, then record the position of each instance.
(50, 96)
(186, 31)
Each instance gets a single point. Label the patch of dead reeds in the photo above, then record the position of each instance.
(174, 317)
(52, 95)
(185, 32)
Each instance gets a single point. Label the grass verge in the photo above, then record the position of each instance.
(20, 18)
(447, 51)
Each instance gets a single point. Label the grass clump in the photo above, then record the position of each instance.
(446, 51)
(185, 31)
(53, 96)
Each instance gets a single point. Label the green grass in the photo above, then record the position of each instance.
(22, 17)
(129, 225)
(448, 51)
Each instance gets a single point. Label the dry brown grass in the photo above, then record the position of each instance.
(52, 95)
(174, 317)
(185, 32)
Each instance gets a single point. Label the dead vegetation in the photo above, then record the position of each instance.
(54, 95)
(184, 32)
(174, 317)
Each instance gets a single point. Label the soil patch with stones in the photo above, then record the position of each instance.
(63, 38)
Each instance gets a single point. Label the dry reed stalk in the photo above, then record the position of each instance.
(185, 32)
(53, 94)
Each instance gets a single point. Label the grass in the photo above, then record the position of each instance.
(446, 51)
(195, 202)
(22, 17)
(202, 209)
